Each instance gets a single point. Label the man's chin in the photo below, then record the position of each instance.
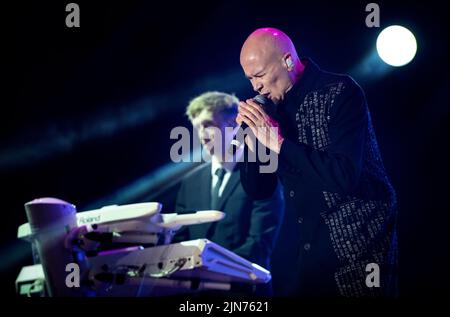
(274, 100)
(210, 152)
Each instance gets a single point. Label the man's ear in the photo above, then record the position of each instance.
(288, 62)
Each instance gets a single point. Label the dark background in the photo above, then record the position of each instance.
(88, 111)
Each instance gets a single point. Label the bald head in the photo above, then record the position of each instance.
(270, 62)
(267, 43)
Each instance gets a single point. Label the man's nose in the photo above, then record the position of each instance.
(206, 133)
(257, 86)
(202, 133)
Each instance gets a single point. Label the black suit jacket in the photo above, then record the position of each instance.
(250, 226)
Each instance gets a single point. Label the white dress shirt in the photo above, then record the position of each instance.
(228, 166)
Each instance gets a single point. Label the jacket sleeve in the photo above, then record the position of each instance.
(256, 184)
(338, 167)
(265, 221)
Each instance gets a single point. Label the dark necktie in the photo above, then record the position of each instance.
(220, 172)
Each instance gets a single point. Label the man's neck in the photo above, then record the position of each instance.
(299, 70)
(297, 74)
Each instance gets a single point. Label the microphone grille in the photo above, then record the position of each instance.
(261, 99)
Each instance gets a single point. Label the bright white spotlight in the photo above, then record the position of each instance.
(396, 45)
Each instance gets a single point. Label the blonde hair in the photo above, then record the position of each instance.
(213, 101)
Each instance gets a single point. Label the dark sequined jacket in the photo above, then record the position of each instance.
(340, 206)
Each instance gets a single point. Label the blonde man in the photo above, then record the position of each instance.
(251, 226)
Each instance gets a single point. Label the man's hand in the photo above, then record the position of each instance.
(265, 128)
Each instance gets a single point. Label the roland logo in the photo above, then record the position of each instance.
(85, 220)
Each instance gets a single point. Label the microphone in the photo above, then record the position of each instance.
(266, 104)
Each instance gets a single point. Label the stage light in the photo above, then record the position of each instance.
(396, 45)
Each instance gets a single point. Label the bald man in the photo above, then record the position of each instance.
(339, 234)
